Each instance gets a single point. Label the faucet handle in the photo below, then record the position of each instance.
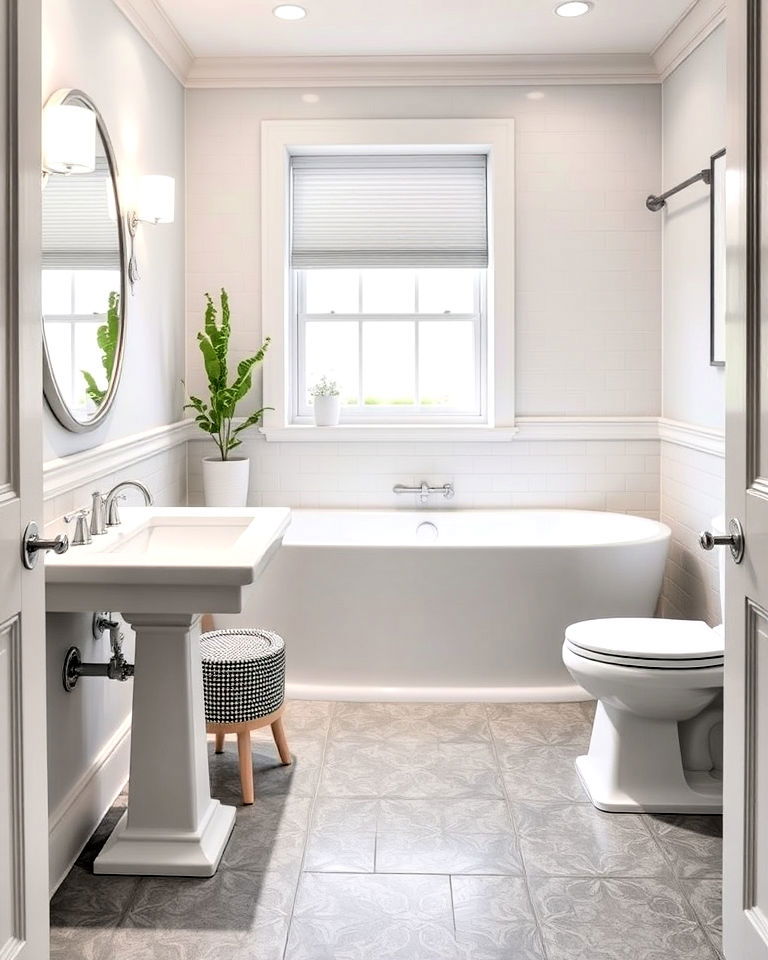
(113, 518)
(82, 533)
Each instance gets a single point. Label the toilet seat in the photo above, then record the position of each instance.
(648, 643)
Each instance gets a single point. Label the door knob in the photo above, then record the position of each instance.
(32, 543)
(734, 539)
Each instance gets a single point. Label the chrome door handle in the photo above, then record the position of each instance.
(32, 543)
(734, 539)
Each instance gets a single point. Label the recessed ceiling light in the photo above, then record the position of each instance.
(289, 11)
(573, 8)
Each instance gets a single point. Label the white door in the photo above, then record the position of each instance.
(23, 799)
(745, 887)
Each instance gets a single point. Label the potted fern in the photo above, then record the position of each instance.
(225, 477)
(107, 338)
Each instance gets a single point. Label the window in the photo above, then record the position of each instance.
(388, 256)
(380, 246)
(399, 342)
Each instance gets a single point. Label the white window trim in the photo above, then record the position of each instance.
(281, 139)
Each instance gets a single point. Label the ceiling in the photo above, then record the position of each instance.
(247, 28)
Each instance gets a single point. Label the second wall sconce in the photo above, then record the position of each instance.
(154, 203)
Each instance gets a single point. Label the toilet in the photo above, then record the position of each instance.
(656, 742)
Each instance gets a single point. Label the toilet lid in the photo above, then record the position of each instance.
(676, 642)
(649, 663)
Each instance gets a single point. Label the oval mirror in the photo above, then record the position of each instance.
(83, 281)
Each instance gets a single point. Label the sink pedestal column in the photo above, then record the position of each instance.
(172, 826)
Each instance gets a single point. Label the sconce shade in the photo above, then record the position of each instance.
(69, 139)
(156, 199)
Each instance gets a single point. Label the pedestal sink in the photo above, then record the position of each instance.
(163, 568)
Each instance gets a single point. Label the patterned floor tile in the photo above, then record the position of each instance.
(541, 773)
(410, 722)
(611, 919)
(342, 837)
(576, 840)
(543, 723)
(706, 898)
(444, 770)
(693, 845)
(494, 919)
(364, 916)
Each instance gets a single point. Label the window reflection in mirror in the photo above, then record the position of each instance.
(81, 290)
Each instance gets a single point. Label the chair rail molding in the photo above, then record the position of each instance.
(693, 436)
(66, 473)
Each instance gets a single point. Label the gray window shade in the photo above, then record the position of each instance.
(78, 233)
(425, 210)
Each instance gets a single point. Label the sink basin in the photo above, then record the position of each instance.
(185, 559)
(162, 568)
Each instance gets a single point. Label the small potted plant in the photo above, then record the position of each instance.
(225, 478)
(326, 402)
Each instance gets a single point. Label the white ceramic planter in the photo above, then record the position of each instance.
(225, 482)
(327, 411)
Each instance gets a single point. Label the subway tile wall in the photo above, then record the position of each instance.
(165, 474)
(583, 474)
(692, 493)
(587, 270)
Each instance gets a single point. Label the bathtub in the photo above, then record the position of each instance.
(449, 605)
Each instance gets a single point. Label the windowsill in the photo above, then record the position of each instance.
(420, 432)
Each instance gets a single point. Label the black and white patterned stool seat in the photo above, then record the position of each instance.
(243, 674)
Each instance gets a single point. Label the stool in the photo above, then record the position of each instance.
(244, 689)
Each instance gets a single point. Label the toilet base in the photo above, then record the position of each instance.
(635, 764)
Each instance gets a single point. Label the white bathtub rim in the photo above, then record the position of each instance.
(339, 692)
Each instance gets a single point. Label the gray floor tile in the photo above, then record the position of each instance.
(343, 836)
(612, 919)
(303, 720)
(440, 770)
(540, 773)
(706, 898)
(543, 723)
(82, 943)
(365, 916)
(576, 840)
(269, 835)
(270, 776)
(86, 900)
(494, 919)
(693, 845)
(454, 836)
(410, 722)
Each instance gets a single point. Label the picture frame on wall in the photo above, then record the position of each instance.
(717, 246)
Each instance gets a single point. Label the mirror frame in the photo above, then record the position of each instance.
(51, 390)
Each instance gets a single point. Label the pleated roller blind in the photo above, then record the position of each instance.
(424, 210)
(78, 233)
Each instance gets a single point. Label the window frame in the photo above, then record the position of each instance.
(301, 409)
(282, 139)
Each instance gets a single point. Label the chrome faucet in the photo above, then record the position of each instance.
(424, 490)
(110, 501)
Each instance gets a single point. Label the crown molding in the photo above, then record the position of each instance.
(437, 71)
(154, 26)
(700, 19)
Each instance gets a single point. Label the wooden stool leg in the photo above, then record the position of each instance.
(219, 743)
(281, 742)
(246, 764)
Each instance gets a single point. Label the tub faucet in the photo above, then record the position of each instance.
(424, 490)
(110, 501)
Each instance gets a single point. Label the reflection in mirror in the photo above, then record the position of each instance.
(82, 285)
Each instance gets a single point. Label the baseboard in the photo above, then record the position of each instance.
(72, 823)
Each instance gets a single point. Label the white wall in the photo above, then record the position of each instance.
(588, 328)
(88, 44)
(693, 124)
(692, 482)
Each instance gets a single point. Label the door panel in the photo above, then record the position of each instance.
(745, 794)
(23, 761)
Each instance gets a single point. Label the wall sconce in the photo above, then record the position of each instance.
(69, 138)
(155, 196)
